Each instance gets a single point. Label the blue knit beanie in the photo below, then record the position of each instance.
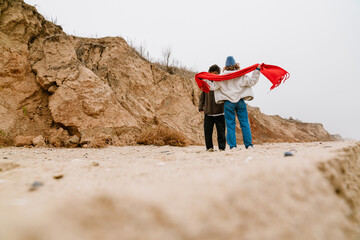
(230, 61)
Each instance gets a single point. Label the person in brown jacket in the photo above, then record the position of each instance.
(213, 114)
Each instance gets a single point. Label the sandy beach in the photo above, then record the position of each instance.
(149, 192)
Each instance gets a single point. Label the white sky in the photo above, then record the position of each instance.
(317, 41)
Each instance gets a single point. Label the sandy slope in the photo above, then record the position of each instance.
(147, 192)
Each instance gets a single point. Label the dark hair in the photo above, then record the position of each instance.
(214, 68)
(232, 68)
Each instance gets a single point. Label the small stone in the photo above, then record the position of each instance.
(58, 176)
(52, 89)
(288, 154)
(35, 185)
(39, 141)
(72, 142)
(21, 141)
(95, 164)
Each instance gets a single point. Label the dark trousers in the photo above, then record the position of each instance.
(209, 122)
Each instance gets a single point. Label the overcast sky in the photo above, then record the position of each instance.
(317, 41)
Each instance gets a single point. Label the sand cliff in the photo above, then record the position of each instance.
(60, 90)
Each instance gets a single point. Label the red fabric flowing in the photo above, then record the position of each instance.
(275, 74)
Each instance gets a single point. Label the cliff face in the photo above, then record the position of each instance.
(23, 103)
(90, 92)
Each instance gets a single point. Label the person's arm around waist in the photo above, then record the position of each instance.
(213, 85)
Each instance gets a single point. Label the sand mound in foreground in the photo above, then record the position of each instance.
(182, 193)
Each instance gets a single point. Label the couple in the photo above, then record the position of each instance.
(228, 96)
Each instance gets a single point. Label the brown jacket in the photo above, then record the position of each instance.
(208, 105)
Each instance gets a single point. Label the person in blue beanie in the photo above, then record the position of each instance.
(233, 93)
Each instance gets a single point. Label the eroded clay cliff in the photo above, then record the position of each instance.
(62, 90)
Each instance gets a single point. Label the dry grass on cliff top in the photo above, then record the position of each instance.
(162, 135)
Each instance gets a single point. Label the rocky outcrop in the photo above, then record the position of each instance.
(266, 128)
(93, 92)
(23, 103)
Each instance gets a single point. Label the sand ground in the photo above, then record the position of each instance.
(149, 192)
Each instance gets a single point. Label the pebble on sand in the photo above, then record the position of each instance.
(288, 154)
(58, 176)
(95, 164)
(35, 185)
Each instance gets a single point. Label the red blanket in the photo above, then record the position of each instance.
(275, 74)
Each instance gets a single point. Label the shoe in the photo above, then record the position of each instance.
(221, 150)
(210, 150)
(233, 149)
(250, 148)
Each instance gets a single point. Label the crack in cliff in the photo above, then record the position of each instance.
(108, 80)
(85, 51)
(72, 130)
(3, 7)
(152, 72)
(22, 102)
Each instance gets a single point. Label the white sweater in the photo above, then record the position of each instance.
(234, 89)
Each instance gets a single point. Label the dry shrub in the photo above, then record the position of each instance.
(162, 135)
(99, 142)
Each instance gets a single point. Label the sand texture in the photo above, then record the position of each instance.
(148, 192)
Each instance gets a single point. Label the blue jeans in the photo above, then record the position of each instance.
(240, 109)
